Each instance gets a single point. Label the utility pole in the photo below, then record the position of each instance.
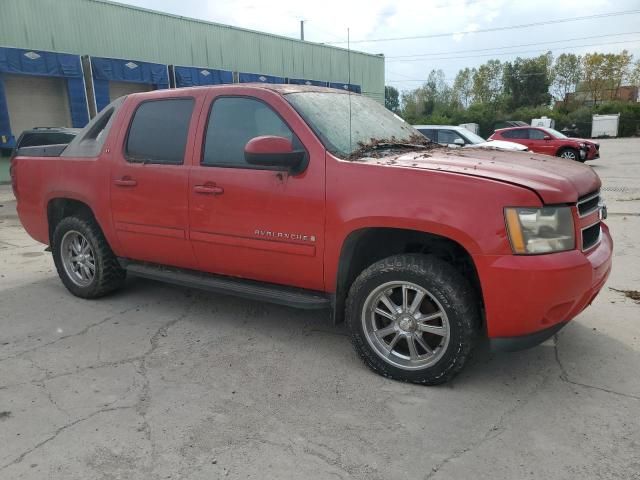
(301, 29)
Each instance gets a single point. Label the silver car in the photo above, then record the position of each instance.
(452, 136)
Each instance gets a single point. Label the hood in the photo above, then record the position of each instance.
(584, 140)
(554, 179)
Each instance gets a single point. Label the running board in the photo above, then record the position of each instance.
(267, 292)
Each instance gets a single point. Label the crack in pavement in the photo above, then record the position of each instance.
(564, 376)
(494, 432)
(144, 400)
(59, 430)
(141, 407)
(71, 335)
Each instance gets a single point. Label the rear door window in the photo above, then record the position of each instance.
(429, 133)
(158, 132)
(535, 134)
(521, 134)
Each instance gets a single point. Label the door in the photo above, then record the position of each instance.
(35, 101)
(150, 180)
(538, 144)
(255, 222)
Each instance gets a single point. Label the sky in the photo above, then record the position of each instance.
(449, 48)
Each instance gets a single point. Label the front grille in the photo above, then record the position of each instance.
(588, 204)
(590, 236)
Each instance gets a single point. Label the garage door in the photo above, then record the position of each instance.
(36, 102)
(118, 89)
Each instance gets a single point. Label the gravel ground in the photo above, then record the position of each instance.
(165, 382)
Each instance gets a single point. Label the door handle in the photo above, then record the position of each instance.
(125, 182)
(208, 189)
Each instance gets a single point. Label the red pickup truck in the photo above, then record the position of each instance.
(318, 198)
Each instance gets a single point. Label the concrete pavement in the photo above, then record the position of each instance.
(158, 381)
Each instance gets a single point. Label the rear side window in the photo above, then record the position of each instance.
(535, 134)
(233, 121)
(430, 134)
(45, 138)
(158, 131)
(520, 133)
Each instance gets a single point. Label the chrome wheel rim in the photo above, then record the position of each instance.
(569, 155)
(405, 325)
(78, 258)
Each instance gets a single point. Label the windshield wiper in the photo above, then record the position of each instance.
(391, 145)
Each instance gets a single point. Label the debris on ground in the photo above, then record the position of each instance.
(632, 294)
(4, 415)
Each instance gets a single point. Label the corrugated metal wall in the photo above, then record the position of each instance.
(101, 28)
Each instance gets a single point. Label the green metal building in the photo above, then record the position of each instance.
(61, 60)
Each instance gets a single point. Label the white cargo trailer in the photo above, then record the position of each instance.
(474, 127)
(543, 122)
(605, 125)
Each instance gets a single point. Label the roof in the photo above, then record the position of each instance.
(282, 89)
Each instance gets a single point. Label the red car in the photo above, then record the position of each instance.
(550, 142)
(260, 191)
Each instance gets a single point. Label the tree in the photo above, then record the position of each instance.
(634, 74)
(487, 82)
(603, 75)
(526, 81)
(565, 75)
(463, 87)
(391, 98)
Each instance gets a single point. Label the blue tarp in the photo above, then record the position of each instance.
(45, 64)
(346, 86)
(256, 77)
(302, 81)
(107, 70)
(194, 76)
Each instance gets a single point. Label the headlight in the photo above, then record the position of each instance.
(540, 230)
(583, 145)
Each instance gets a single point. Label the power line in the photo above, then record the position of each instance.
(495, 29)
(525, 51)
(392, 59)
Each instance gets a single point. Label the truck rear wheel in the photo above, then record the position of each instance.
(85, 263)
(413, 318)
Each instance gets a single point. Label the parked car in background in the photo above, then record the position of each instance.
(452, 136)
(41, 136)
(550, 142)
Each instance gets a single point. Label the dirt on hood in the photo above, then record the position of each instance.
(381, 148)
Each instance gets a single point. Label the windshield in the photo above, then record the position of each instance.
(328, 115)
(555, 133)
(472, 137)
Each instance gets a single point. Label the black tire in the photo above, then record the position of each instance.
(446, 285)
(108, 275)
(570, 151)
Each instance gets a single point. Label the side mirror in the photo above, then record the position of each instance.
(459, 142)
(273, 151)
(547, 137)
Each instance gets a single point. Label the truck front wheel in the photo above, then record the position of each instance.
(413, 318)
(85, 263)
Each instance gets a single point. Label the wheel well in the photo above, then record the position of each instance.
(365, 247)
(60, 208)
